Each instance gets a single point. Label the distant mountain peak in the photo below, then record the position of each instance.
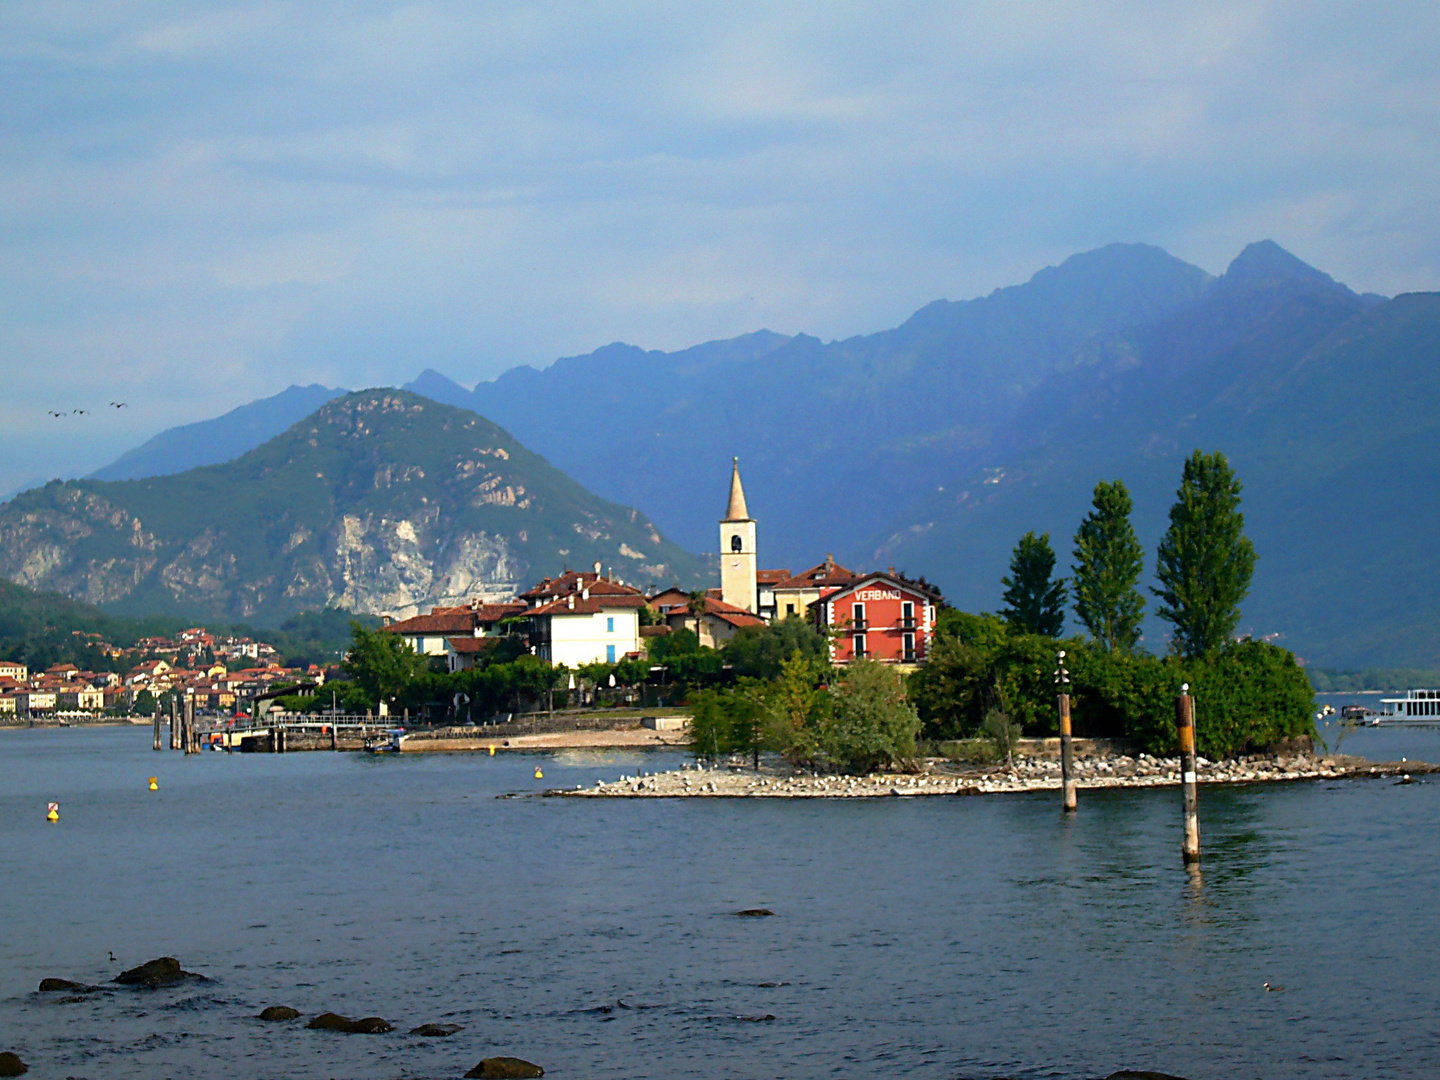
(1266, 263)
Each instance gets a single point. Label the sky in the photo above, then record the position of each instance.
(201, 204)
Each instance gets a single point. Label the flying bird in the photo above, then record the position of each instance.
(117, 404)
(80, 411)
(54, 413)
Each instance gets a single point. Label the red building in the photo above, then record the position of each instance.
(879, 617)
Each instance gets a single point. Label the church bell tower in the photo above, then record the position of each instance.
(737, 549)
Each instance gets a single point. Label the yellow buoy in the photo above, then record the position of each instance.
(154, 786)
(538, 774)
(492, 751)
(54, 814)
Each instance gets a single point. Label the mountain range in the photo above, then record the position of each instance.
(379, 501)
(934, 445)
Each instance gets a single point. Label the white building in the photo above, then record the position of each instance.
(583, 629)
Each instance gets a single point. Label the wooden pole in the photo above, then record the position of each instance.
(1067, 749)
(155, 719)
(1067, 756)
(174, 723)
(185, 726)
(192, 737)
(1185, 730)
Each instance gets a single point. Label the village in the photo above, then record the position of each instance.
(575, 619)
(587, 617)
(217, 672)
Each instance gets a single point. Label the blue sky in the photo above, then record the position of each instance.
(203, 203)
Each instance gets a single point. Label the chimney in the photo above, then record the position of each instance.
(829, 563)
(892, 571)
(584, 594)
(597, 568)
(384, 619)
(571, 599)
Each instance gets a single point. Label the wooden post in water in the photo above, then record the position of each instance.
(1185, 730)
(1067, 749)
(174, 723)
(155, 720)
(192, 737)
(185, 726)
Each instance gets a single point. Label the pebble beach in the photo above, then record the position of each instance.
(940, 777)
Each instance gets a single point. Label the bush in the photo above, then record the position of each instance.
(871, 724)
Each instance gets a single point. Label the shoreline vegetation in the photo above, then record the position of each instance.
(1029, 774)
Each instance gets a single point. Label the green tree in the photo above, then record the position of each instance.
(794, 711)
(998, 728)
(382, 664)
(1205, 561)
(709, 725)
(1108, 563)
(761, 651)
(1033, 603)
(872, 723)
(144, 704)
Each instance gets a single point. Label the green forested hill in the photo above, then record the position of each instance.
(379, 501)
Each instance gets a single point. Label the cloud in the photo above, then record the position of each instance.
(202, 203)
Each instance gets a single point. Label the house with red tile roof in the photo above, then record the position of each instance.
(794, 595)
(881, 616)
(428, 634)
(587, 626)
(716, 625)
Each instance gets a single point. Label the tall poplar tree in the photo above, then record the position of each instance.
(1108, 562)
(1033, 603)
(1205, 561)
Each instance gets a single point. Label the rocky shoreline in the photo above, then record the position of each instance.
(941, 777)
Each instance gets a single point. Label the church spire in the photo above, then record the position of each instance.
(736, 511)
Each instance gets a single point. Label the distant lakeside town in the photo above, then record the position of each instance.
(576, 620)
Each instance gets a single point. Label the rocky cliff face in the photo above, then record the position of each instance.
(381, 501)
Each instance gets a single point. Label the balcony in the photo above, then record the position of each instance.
(859, 624)
(907, 624)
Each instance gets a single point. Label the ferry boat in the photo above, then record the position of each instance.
(1416, 705)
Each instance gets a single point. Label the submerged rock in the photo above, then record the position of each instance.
(11, 1065)
(366, 1025)
(754, 913)
(435, 1031)
(279, 1012)
(371, 1025)
(48, 986)
(162, 971)
(505, 1068)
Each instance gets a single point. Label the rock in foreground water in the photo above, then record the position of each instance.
(754, 913)
(48, 986)
(435, 1031)
(279, 1012)
(505, 1068)
(162, 971)
(366, 1025)
(11, 1065)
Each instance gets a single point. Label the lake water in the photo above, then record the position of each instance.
(939, 937)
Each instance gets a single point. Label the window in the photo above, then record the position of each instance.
(736, 544)
(609, 625)
(857, 613)
(859, 646)
(789, 609)
(909, 648)
(907, 613)
(609, 654)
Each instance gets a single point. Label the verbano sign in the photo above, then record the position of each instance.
(878, 594)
